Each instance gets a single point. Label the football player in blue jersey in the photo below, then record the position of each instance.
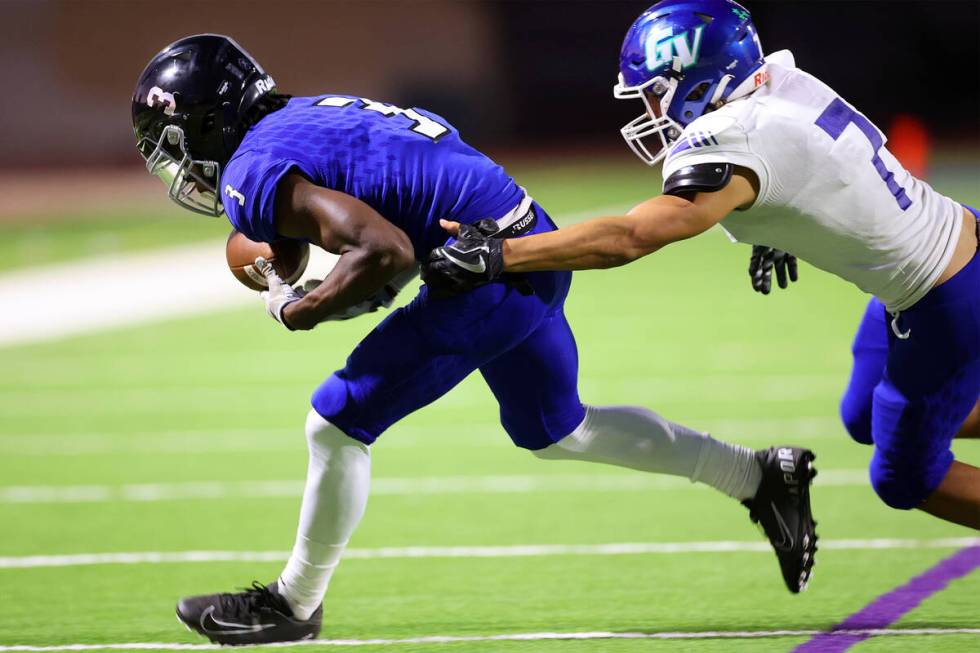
(369, 182)
(773, 155)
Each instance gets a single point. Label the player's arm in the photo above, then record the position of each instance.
(372, 250)
(696, 198)
(617, 240)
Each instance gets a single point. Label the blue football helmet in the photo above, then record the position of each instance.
(684, 58)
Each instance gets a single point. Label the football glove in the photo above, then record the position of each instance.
(279, 295)
(474, 259)
(761, 265)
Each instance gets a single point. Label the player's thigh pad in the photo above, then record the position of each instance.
(870, 351)
(931, 384)
(423, 350)
(536, 385)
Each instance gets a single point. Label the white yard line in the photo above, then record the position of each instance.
(391, 486)
(51, 302)
(513, 551)
(504, 637)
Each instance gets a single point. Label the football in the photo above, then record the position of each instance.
(288, 257)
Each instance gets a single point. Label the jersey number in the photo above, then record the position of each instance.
(836, 117)
(420, 124)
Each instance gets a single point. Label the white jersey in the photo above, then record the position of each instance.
(829, 191)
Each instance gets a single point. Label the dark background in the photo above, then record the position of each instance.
(919, 58)
(534, 74)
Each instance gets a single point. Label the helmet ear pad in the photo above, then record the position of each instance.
(232, 129)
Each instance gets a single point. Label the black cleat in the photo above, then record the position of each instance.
(782, 507)
(259, 615)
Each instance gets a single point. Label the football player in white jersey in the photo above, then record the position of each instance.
(777, 158)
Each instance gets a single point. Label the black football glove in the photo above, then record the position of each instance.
(763, 260)
(473, 260)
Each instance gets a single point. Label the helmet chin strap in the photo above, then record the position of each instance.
(674, 77)
(750, 84)
(719, 94)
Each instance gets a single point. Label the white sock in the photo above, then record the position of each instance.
(630, 436)
(337, 483)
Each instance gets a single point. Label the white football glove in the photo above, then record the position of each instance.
(279, 295)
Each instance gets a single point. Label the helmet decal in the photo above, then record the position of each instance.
(741, 12)
(157, 96)
(662, 44)
(265, 85)
(683, 59)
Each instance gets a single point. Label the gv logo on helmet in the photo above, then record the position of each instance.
(662, 44)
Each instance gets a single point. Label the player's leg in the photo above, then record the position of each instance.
(536, 386)
(913, 466)
(289, 609)
(870, 351)
(338, 478)
(957, 498)
(930, 386)
(410, 360)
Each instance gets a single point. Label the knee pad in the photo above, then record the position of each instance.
(902, 487)
(333, 402)
(904, 479)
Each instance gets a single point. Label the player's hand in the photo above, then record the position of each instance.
(279, 295)
(761, 265)
(473, 260)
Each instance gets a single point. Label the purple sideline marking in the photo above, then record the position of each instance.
(889, 608)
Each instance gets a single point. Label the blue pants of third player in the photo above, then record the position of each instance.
(909, 397)
(521, 344)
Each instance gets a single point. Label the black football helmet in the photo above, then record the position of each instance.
(192, 106)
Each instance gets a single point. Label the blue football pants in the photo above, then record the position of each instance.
(521, 344)
(909, 397)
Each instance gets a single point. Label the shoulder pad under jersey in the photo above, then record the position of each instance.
(698, 178)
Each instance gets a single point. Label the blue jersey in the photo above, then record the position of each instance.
(408, 164)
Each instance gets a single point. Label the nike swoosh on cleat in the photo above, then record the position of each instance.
(787, 542)
(472, 267)
(228, 627)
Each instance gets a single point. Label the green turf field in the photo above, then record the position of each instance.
(186, 435)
